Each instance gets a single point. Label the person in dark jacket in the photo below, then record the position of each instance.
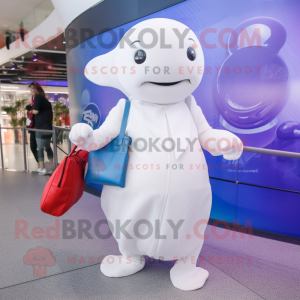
(43, 118)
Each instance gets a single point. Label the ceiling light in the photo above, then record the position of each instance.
(23, 91)
(59, 92)
(9, 87)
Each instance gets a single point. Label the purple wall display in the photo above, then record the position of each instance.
(61, 98)
(250, 87)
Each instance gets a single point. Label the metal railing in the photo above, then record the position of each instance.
(54, 138)
(271, 152)
(24, 129)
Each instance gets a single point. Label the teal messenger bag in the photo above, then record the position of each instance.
(108, 165)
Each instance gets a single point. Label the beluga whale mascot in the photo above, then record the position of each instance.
(165, 204)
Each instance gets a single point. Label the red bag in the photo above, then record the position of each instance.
(65, 186)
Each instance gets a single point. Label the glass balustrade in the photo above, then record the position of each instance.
(30, 21)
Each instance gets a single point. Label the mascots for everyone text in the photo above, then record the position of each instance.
(167, 188)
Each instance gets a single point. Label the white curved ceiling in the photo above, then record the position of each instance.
(68, 10)
(13, 11)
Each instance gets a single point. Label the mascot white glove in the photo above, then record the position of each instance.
(222, 142)
(82, 135)
(230, 145)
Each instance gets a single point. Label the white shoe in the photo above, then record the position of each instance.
(119, 266)
(188, 277)
(39, 170)
(43, 172)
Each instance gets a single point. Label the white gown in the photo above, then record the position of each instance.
(158, 190)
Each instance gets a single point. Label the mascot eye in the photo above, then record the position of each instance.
(191, 54)
(140, 56)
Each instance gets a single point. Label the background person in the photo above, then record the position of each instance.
(30, 124)
(43, 118)
(22, 32)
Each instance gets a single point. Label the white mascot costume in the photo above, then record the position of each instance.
(166, 202)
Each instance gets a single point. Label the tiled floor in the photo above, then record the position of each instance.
(241, 268)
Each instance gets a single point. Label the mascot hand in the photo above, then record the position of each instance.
(81, 135)
(230, 145)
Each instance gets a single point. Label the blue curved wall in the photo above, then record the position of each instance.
(268, 190)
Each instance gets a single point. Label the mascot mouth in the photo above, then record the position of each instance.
(167, 83)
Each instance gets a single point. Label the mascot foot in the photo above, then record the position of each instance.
(119, 266)
(188, 277)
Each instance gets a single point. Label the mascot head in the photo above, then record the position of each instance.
(158, 60)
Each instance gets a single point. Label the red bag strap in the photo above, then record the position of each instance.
(72, 153)
(73, 150)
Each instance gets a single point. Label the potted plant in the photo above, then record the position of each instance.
(13, 111)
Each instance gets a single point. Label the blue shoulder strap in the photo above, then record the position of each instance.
(124, 123)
